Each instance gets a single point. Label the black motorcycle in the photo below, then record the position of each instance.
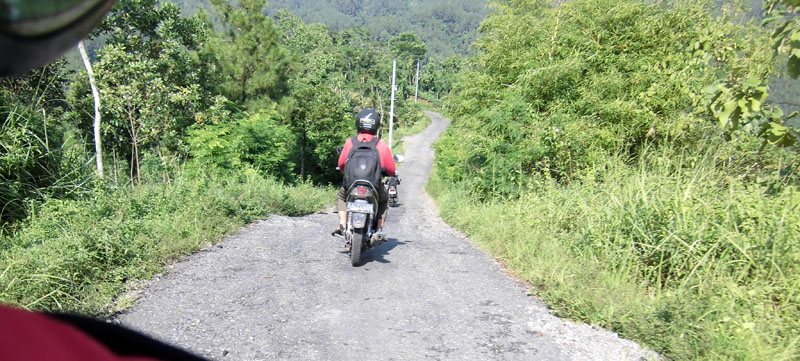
(361, 231)
(391, 188)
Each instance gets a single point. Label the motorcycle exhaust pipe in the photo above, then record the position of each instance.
(376, 239)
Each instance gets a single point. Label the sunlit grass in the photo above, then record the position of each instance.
(79, 255)
(692, 263)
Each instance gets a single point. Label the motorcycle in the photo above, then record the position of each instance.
(391, 188)
(393, 181)
(361, 232)
(362, 220)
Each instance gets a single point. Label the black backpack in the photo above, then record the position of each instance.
(363, 163)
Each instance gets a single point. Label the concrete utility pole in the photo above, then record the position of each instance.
(416, 84)
(98, 146)
(391, 107)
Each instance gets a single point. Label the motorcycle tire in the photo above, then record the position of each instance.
(356, 246)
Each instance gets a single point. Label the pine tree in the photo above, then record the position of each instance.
(252, 62)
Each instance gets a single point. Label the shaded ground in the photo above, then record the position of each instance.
(284, 289)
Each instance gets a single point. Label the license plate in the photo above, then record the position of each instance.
(359, 207)
(392, 191)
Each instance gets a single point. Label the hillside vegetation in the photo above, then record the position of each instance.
(619, 155)
(203, 128)
(447, 27)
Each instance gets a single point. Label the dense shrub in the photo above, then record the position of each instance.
(554, 90)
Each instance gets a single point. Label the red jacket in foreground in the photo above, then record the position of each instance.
(34, 336)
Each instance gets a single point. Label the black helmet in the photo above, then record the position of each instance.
(368, 121)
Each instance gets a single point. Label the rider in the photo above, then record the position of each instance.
(368, 121)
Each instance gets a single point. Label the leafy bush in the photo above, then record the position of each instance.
(36, 157)
(230, 139)
(554, 90)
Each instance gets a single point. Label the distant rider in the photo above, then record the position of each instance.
(368, 121)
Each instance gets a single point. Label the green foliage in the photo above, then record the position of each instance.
(555, 89)
(446, 27)
(252, 62)
(321, 121)
(407, 46)
(36, 158)
(151, 81)
(611, 152)
(786, 38)
(140, 103)
(683, 258)
(78, 255)
(230, 140)
(439, 76)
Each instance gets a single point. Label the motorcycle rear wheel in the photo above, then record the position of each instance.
(356, 245)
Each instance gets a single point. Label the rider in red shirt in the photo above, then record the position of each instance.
(368, 122)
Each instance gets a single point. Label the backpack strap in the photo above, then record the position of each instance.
(374, 142)
(353, 145)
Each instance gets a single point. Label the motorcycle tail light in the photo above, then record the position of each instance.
(360, 192)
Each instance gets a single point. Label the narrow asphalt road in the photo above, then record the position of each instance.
(284, 289)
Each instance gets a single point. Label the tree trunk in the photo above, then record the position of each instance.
(135, 166)
(244, 88)
(116, 168)
(303, 157)
(98, 145)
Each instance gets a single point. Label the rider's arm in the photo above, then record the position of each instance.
(387, 161)
(343, 155)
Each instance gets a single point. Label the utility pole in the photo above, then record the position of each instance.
(391, 107)
(416, 84)
(98, 145)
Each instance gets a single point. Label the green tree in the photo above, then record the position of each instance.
(320, 121)
(408, 46)
(447, 27)
(438, 76)
(408, 49)
(228, 138)
(555, 89)
(151, 78)
(319, 99)
(252, 62)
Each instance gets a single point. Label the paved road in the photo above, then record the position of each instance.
(284, 289)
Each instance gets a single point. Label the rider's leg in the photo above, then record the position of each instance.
(341, 209)
(383, 206)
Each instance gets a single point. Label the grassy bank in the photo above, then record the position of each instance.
(691, 262)
(79, 255)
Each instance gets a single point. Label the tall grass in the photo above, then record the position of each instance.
(681, 256)
(78, 255)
